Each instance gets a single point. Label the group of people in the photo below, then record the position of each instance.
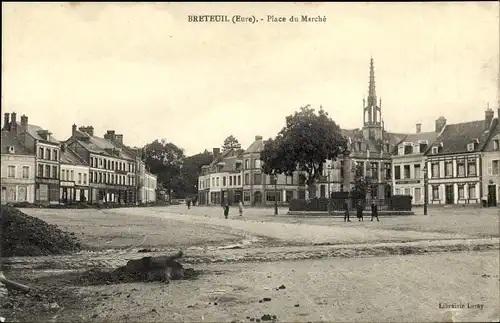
(226, 209)
(359, 211)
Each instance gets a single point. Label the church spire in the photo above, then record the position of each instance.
(372, 95)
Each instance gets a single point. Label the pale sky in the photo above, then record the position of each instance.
(143, 70)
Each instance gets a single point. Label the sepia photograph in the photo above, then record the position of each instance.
(250, 162)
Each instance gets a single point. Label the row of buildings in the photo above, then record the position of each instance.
(38, 168)
(459, 163)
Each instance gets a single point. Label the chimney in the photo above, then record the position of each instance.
(24, 123)
(488, 116)
(216, 152)
(419, 127)
(63, 147)
(119, 139)
(13, 122)
(6, 118)
(73, 130)
(88, 130)
(440, 123)
(258, 137)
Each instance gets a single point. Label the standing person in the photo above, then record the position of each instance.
(240, 206)
(188, 202)
(374, 212)
(359, 211)
(346, 212)
(226, 210)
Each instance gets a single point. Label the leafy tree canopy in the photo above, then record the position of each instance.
(165, 160)
(231, 142)
(308, 139)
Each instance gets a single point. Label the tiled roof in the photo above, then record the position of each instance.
(255, 147)
(429, 136)
(33, 131)
(229, 164)
(68, 156)
(455, 137)
(374, 146)
(10, 139)
(99, 145)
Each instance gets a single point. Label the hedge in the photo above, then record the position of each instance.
(394, 203)
(400, 203)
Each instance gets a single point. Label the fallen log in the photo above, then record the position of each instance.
(14, 285)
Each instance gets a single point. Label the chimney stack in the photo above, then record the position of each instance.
(488, 117)
(6, 123)
(258, 137)
(24, 123)
(88, 130)
(73, 130)
(216, 152)
(419, 127)
(440, 124)
(119, 139)
(13, 122)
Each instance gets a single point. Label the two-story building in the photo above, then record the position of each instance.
(74, 177)
(112, 173)
(17, 168)
(454, 161)
(46, 149)
(408, 162)
(491, 163)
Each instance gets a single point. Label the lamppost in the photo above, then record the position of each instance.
(275, 177)
(329, 169)
(426, 193)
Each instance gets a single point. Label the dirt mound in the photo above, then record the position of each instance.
(24, 235)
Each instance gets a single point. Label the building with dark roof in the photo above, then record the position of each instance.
(112, 174)
(408, 162)
(17, 168)
(454, 161)
(74, 177)
(46, 148)
(491, 164)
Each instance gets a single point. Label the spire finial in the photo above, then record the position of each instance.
(372, 96)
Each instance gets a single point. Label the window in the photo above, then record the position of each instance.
(461, 191)
(416, 170)
(72, 177)
(48, 154)
(271, 196)
(289, 196)
(256, 163)
(40, 170)
(213, 181)
(230, 180)
(472, 191)
(423, 148)
(470, 147)
(272, 180)
(55, 173)
(398, 191)
(100, 177)
(496, 144)
(55, 154)
(257, 179)
(374, 170)
(217, 180)
(289, 180)
(435, 170)
(388, 168)
(47, 171)
(448, 169)
(460, 167)
(408, 149)
(434, 150)
(246, 196)
(435, 192)
(247, 165)
(407, 173)
(495, 167)
(397, 172)
(239, 179)
(40, 153)
(11, 171)
(79, 178)
(247, 179)
(418, 194)
(223, 180)
(407, 191)
(471, 168)
(23, 193)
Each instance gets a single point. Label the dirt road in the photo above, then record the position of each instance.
(399, 269)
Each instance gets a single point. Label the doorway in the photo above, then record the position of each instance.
(449, 194)
(492, 195)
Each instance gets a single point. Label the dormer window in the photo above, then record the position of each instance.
(434, 150)
(496, 144)
(470, 146)
(11, 149)
(408, 149)
(359, 145)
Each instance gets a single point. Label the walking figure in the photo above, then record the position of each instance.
(346, 212)
(188, 202)
(226, 210)
(374, 212)
(240, 206)
(359, 211)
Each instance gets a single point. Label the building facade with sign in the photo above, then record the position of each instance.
(454, 162)
(408, 163)
(17, 169)
(491, 165)
(74, 177)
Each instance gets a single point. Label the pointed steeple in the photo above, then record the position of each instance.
(372, 95)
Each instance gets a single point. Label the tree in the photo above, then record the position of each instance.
(165, 160)
(231, 142)
(362, 184)
(305, 143)
(191, 170)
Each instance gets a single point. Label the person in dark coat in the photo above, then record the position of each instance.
(359, 211)
(374, 212)
(346, 212)
(188, 202)
(226, 210)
